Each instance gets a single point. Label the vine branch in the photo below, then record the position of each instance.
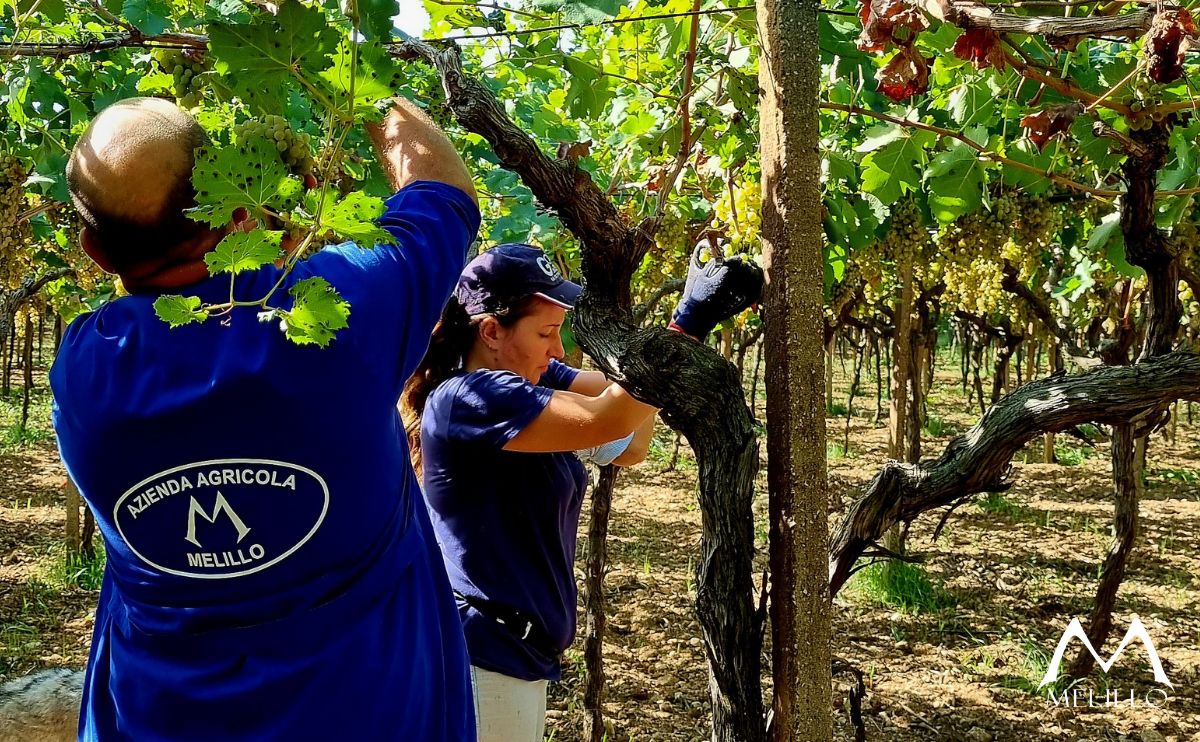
(979, 460)
(983, 152)
(988, 154)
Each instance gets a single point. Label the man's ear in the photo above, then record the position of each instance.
(91, 245)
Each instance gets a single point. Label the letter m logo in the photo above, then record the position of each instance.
(1075, 631)
(220, 506)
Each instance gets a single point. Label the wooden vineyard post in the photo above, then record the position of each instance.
(594, 606)
(27, 362)
(792, 250)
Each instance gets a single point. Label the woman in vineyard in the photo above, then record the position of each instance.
(500, 429)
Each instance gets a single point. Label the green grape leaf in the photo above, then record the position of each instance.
(589, 91)
(318, 311)
(582, 11)
(835, 166)
(371, 80)
(154, 82)
(879, 135)
(241, 176)
(1106, 239)
(376, 18)
(955, 180)
(265, 53)
(148, 16)
(890, 171)
(54, 11)
(1108, 229)
(177, 311)
(1025, 151)
(354, 219)
(233, 11)
(972, 103)
(18, 94)
(244, 251)
(1080, 281)
(444, 17)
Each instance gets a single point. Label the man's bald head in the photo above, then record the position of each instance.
(130, 178)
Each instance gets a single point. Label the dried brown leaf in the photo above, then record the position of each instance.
(1171, 34)
(882, 18)
(906, 74)
(1050, 121)
(981, 47)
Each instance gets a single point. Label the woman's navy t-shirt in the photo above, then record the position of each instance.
(505, 520)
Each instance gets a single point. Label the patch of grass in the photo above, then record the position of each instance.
(835, 450)
(662, 450)
(902, 585)
(1172, 476)
(1071, 455)
(16, 436)
(72, 570)
(1032, 669)
(21, 640)
(997, 504)
(935, 425)
(1087, 524)
(835, 409)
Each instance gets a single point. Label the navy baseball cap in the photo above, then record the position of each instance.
(498, 279)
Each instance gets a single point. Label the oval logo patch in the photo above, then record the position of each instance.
(222, 518)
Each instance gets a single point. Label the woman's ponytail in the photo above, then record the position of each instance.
(452, 338)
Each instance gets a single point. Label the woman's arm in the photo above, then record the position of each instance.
(593, 383)
(635, 452)
(589, 383)
(571, 421)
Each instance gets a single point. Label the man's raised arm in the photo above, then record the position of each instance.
(411, 147)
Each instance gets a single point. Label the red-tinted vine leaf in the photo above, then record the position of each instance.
(882, 18)
(1050, 121)
(981, 47)
(573, 151)
(906, 74)
(1171, 34)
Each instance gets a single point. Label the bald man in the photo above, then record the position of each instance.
(271, 574)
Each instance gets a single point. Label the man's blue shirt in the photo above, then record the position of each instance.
(271, 573)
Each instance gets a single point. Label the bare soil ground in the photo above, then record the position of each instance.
(1008, 573)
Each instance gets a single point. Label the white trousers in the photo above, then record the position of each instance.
(508, 709)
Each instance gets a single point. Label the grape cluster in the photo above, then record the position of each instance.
(295, 149)
(970, 258)
(907, 236)
(667, 258)
(186, 68)
(334, 170)
(1038, 225)
(1147, 97)
(868, 264)
(1187, 237)
(671, 243)
(14, 234)
(739, 212)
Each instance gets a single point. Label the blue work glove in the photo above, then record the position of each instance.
(715, 291)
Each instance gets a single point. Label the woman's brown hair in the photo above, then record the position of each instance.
(452, 338)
